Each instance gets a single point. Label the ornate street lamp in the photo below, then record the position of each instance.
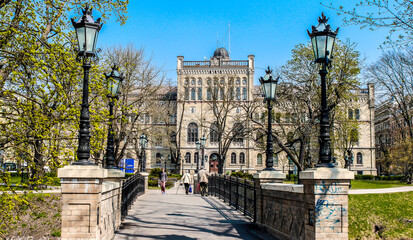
(198, 147)
(144, 144)
(87, 31)
(269, 85)
(322, 39)
(203, 141)
(114, 80)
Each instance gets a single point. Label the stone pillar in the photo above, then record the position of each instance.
(146, 175)
(326, 197)
(90, 201)
(260, 178)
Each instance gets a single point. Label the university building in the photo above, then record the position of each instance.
(220, 91)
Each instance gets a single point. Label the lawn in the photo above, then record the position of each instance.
(372, 184)
(384, 216)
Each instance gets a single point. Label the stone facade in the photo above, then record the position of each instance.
(197, 81)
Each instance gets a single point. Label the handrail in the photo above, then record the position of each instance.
(132, 188)
(237, 192)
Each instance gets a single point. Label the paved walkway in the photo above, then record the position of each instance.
(184, 217)
(381, 190)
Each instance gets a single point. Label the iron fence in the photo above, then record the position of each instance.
(132, 187)
(237, 192)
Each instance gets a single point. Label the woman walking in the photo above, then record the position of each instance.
(187, 180)
(163, 177)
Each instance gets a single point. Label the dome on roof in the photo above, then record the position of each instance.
(221, 52)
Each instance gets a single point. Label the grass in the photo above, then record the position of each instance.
(385, 216)
(373, 184)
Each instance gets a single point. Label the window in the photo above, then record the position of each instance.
(242, 158)
(215, 96)
(231, 93)
(350, 114)
(238, 132)
(188, 157)
(233, 158)
(209, 94)
(213, 133)
(354, 136)
(192, 110)
(172, 118)
(199, 93)
(221, 93)
(186, 94)
(359, 172)
(192, 133)
(357, 114)
(158, 141)
(244, 93)
(359, 158)
(275, 159)
(192, 93)
(199, 81)
(147, 118)
(158, 158)
(259, 159)
(196, 157)
(238, 93)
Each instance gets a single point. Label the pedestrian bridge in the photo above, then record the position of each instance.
(176, 215)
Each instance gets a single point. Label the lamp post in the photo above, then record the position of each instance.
(269, 85)
(322, 40)
(198, 146)
(114, 79)
(203, 141)
(87, 31)
(144, 143)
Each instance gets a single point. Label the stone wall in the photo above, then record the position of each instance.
(316, 209)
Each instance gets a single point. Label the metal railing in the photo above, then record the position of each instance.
(237, 192)
(132, 187)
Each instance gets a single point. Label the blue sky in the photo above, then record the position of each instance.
(267, 29)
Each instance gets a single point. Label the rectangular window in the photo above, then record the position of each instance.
(192, 109)
(192, 93)
(186, 94)
(209, 94)
(357, 113)
(199, 93)
(238, 93)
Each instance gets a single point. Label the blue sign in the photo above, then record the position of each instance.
(127, 165)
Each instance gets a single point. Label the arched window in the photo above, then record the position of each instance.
(199, 93)
(221, 93)
(192, 133)
(259, 159)
(359, 158)
(196, 157)
(244, 93)
(213, 133)
(238, 93)
(186, 94)
(192, 93)
(158, 158)
(233, 158)
(188, 157)
(238, 132)
(242, 158)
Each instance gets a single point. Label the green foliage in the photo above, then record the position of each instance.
(242, 175)
(364, 177)
(155, 172)
(176, 176)
(127, 175)
(373, 184)
(392, 213)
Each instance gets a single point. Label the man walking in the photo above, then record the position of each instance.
(203, 181)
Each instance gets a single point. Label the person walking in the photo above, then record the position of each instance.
(187, 180)
(163, 177)
(203, 181)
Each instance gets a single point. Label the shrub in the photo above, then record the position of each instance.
(242, 175)
(155, 172)
(177, 176)
(364, 177)
(152, 183)
(292, 177)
